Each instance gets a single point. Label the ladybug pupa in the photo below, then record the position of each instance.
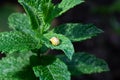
(55, 41)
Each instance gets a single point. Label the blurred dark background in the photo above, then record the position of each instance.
(105, 14)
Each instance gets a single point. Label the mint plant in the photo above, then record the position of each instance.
(27, 44)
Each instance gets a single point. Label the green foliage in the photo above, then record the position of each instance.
(20, 22)
(16, 67)
(68, 4)
(31, 33)
(46, 11)
(16, 41)
(65, 44)
(77, 32)
(84, 63)
(33, 17)
(52, 71)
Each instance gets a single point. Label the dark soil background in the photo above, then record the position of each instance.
(105, 14)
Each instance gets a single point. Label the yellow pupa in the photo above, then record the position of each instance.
(55, 41)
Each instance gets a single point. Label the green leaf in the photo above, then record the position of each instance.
(37, 12)
(15, 41)
(65, 44)
(45, 11)
(20, 22)
(68, 4)
(84, 63)
(62, 7)
(35, 21)
(57, 70)
(16, 67)
(77, 32)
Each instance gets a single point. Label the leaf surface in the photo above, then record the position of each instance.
(16, 67)
(20, 22)
(57, 70)
(77, 32)
(65, 44)
(84, 63)
(45, 11)
(35, 21)
(65, 5)
(15, 41)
